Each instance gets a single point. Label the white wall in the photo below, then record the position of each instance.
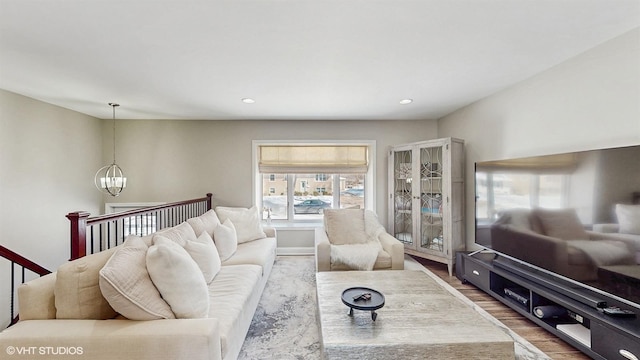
(48, 157)
(590, 101)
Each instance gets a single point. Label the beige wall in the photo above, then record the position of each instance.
(590, 101)
(48, 156)
(178, 159)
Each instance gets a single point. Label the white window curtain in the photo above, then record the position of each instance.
(310, 159)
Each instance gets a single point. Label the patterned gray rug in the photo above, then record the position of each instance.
(285, 325)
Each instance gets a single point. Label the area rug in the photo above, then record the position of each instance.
(285, 325)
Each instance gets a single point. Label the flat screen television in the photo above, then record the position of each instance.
(573, 218)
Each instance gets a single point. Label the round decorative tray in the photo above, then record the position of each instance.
(363, 298)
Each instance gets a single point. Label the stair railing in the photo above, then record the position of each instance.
(23, 265)
(94, 234)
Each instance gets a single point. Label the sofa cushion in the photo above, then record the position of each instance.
(345, 226)
(204, 223)
(561, 223)
(628, 218)
(246, 221)
(259, 252)
(179, 233)
(233, 297)
(77, 290)
(225, 239)
(125, 283)
(178, 279)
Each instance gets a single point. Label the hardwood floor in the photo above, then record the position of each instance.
(542, 339)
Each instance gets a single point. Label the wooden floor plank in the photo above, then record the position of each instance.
(551, 345)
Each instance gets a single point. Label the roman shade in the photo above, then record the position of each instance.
(310, 159)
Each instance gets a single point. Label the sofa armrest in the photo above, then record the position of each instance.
(395, 248)
(36, 299)
(271, 232)
(322, 250)
(115, 339)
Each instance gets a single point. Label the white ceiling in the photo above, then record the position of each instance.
(299, 59)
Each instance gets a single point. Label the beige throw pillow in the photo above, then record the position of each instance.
(561, 223)
(125, 283)
(345, 226)
(204, 223)
(246, 221)
(77, 290)
(226, 240)
(628, 218)
(178, 279)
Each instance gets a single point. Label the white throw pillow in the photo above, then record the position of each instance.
(126, 285)
(203, 251)
(179, 233)
(246, 221)
(345, 226)
(628, 218)
(226, 240)
(205, 222)
(178, 278)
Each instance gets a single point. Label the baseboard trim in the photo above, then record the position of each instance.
(295, 251)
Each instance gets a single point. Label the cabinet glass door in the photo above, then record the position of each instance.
(431, 200)
(403, 224)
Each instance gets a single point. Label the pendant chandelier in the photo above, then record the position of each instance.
(110, 179)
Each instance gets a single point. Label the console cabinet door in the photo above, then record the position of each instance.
(426, 184)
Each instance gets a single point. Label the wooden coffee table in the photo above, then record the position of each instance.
(420, 319)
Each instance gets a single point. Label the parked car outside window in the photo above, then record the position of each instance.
(311, 206)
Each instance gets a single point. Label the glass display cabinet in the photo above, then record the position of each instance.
(426, 198)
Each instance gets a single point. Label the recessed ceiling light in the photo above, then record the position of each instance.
(248, 101)
(406, 101)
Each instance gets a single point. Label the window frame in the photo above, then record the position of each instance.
(369, 183)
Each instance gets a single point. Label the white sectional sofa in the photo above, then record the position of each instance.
(75, 310)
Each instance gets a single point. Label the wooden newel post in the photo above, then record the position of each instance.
(209, 202)
(78, 221)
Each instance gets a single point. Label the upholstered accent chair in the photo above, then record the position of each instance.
(354, 239)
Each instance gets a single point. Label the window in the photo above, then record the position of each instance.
(498, 191)
(346, 179)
